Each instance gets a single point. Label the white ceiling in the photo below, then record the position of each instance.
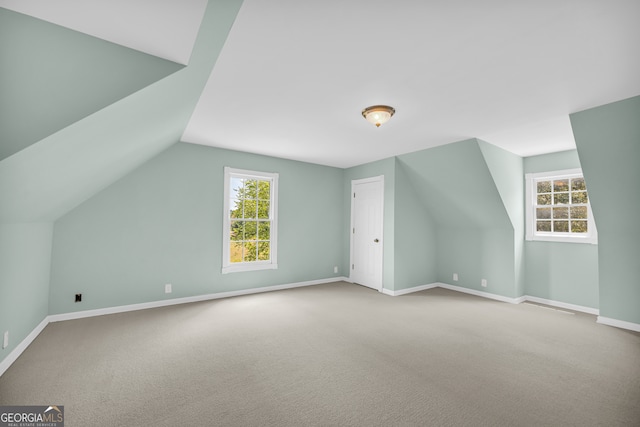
(294, 75)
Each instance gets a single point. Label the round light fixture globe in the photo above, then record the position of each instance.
(378, 114)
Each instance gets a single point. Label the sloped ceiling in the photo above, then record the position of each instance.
(166, 29)
(61, 170)
(455, 185)
(293, 78)
(52, 77)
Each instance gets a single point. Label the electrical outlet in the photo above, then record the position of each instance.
(167, 288)
(455, 277)
(483, 283)
(335, 269)
(78, 297)
(5, 339)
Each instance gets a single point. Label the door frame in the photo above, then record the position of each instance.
(354, 182)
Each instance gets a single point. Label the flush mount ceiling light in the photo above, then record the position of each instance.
(378, 114)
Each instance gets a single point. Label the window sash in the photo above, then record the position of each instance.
(229, 242)
(557, 204)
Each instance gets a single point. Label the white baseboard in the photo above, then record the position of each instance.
(489, 295)
(409, 290)
(16, 352)
(560, 304)
(185, 300)
(482, 294)
(618, 323)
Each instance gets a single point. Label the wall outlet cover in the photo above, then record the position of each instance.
(167, 288)
(483, 283)
(5, 339)
(455, 276)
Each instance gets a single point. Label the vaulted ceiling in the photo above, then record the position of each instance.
(90, 89)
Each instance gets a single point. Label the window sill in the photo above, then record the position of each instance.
(593, 240)
(237, 268)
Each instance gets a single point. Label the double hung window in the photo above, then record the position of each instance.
(250, 225)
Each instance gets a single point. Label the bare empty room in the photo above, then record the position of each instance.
(233, 212)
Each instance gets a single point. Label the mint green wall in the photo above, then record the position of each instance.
(25, 256)
(54, 158)
(53, 175)
(507, 171)
(474, 234)
(476, 254)
(163, 224)
(455, 184)
(552, 162)
(565, 272)
(48, 71)
(386, 167)
(608, 142)
(414, 235)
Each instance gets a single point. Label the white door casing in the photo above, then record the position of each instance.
(367, 207)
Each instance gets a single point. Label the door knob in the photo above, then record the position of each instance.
(376, 240)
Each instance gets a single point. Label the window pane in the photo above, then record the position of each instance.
(264, 190)
(561, 185)
(543, 213)
(579, 197)
(561, 226)
(543, 225)
(264, 232)
(560, 213)
(263, 209)
(236, 187)
(579, 226)
(544, 199)
(250, 189)
(250, 230)
(578, 184)
(579, 212)
(236, 210)
(559, 199)
(249, 251)
(235, 252)
(544, 187)
(237, 230)
(250, 208)
(264, 251)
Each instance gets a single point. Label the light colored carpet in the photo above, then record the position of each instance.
(334, 355)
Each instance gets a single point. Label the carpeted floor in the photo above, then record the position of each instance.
(334, 355)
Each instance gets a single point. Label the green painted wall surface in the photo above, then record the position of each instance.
(507, 171)
(552, 162)
(56, 174)
(474, 234)
(163, 224)
(476, 254)
(565, 272)
(386, 167)
(455, 184)
(53, 76)
(25, 257)
(608, 141)
(415, 235)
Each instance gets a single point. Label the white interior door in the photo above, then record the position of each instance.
(367, 205)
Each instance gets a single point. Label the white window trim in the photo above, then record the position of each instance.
(530, 203)
(227, 266)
